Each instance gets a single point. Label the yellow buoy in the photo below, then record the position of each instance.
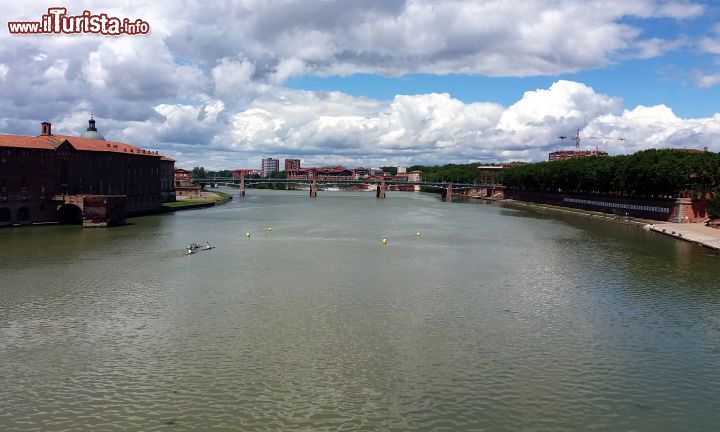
(384, 241)
(269, 228)
(417, 234)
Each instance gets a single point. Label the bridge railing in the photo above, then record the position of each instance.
(232, 180)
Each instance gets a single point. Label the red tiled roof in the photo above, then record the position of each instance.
(89, 144)
(49, 142)
(26, 142)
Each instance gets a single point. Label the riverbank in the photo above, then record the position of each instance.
(206, 199)
(578, 212)
(696, 233)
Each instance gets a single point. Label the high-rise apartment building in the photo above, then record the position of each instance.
(269, 166)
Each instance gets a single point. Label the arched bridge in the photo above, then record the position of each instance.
(447, 188)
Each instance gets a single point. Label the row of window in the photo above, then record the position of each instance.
(23, 215)
(638, 207)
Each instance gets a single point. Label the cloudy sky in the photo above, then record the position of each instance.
(221, 84)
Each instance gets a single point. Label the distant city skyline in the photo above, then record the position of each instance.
(374, 83)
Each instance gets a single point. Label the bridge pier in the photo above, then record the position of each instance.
(242, 185)
(381, 189)
(449, 192)
(313, 189)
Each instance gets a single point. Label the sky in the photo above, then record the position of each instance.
(222, 84)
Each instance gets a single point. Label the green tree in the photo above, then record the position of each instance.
(649, 173)
(458, 173)
(222, 173)
(714, 207)
(199, 172)
(278, 175)
(389, 169)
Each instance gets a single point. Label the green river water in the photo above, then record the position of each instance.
(494, 319)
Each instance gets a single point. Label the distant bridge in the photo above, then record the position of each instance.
(447, 188)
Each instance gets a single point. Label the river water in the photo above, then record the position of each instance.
(492, 319)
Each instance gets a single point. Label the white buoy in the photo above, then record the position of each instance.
(417, 234)
(247, 234)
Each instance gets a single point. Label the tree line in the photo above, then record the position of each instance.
(200, 172)
(649, 173)
(456, 173)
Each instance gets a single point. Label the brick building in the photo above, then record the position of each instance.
(301, 174)
(360, 173)
(333, 173)
(569, 154)
(292, 164)
(183, 184)
(244, 172)
(414, 176)
(182, 177)
(50, 178)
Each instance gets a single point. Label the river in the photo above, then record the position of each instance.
(494, 318)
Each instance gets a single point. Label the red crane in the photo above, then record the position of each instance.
(577, 139)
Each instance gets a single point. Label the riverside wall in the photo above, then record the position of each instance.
(679, 210)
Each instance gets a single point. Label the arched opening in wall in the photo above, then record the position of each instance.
(4, 216)
(23, 215)
(69, 214)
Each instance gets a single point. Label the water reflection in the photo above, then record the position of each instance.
(496, 319)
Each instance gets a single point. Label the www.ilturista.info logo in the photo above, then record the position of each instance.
(56, 21)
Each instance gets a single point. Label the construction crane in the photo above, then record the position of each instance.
(577, 139)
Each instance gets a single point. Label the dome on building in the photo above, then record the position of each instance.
(91, 131)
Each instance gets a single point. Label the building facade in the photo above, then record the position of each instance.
(183, 184)
(333, 173)
(301, 174)
(243, 172)
(182, 177)
(414, 176)
(51, 178)
(569, 154)
(269, 166)
(360, 173)
(292, 164)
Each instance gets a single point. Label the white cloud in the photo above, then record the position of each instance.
(655, 47)
(394, 37)
(710, 45)
(56, 71)
(232, 78)
(325, 127)
(656, 127)
(287, 68)
(206, 84)
(706, 80)
(180, 124)
(679, 9)
(564, 104)
(140, 69)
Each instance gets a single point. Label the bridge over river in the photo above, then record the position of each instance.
(447, 189)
